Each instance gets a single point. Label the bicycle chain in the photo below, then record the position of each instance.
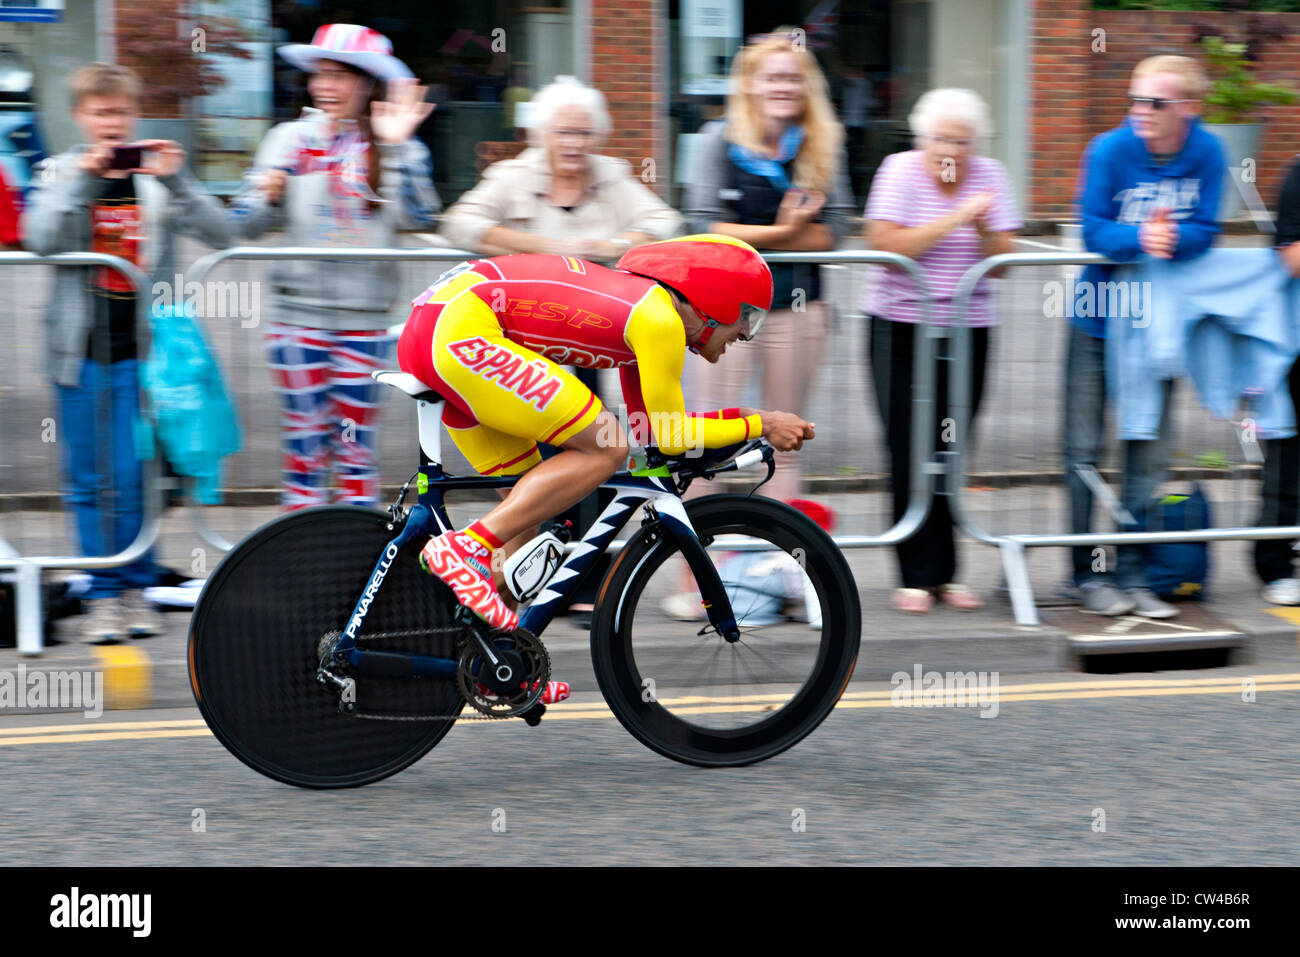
(458, 716)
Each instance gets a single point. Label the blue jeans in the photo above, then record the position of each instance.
(104, 477)
(1144, 462)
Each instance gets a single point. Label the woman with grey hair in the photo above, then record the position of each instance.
(947, 207)
(560, 196)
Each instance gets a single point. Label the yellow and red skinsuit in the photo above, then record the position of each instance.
(491, 334)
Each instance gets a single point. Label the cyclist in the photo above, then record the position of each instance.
(490, 336)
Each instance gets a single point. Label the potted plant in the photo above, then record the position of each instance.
(1234, 98)
(172, 49)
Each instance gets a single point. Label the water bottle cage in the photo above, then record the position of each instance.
(528, 570)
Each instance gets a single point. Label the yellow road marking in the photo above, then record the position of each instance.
(1027, 692)
(1118, 693)
(1289, 614)
(1071, 686)
(696, 705)
(128, 676)
(1229, 684)
(111, 736)
(106, 726)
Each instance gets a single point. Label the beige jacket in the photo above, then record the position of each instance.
(513, 193)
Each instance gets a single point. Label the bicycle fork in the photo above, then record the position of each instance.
(670, 512)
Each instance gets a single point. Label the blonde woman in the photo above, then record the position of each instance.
(774, 174)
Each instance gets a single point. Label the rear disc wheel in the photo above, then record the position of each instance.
(255, 640)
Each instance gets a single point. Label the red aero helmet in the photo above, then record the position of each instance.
(718, 275)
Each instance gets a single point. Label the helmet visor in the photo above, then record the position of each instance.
(751, 320)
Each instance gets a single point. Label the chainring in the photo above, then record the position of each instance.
(537, 666)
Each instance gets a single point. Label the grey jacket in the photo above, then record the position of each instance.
(57, 220)
(316, 211)
(706, 199)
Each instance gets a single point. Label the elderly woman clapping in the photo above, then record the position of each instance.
(947, 207)
(560, 196)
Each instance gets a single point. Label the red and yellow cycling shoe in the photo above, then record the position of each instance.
(463, 564)
(555, 691)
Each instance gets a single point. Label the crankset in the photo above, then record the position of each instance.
(505, 675)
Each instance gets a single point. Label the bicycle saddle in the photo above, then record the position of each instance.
(408, 384)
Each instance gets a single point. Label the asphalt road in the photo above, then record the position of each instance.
(1178, 767)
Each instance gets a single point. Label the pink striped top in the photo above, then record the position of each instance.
(905, 192)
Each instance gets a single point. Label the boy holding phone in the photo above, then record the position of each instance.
(126, 198)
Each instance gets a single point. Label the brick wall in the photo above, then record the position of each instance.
(1078, 93)
(1058, 44)
(626, 36)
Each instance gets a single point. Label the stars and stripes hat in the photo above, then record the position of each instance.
(348, 43)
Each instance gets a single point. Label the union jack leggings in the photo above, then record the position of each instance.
(329, 410)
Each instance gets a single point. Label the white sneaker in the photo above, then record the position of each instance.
(1104, 598)
(1148, 605)
(1283, 591)
(140, 617)
(103, 622)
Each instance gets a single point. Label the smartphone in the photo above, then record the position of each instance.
(126, 157)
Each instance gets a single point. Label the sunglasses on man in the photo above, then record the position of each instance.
(1155, 102)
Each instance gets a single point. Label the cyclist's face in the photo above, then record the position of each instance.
(695, 324)
(723, 336)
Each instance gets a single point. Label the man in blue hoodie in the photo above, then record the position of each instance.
(1148, 187)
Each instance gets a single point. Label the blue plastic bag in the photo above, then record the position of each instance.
(192, 412)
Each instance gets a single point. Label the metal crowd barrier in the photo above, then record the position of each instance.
(1012, 546)
(28, 568)
(924, 470)
(941, 473)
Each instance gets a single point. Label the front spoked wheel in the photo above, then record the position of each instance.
(679, 686)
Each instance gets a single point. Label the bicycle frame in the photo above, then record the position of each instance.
(653, 487)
